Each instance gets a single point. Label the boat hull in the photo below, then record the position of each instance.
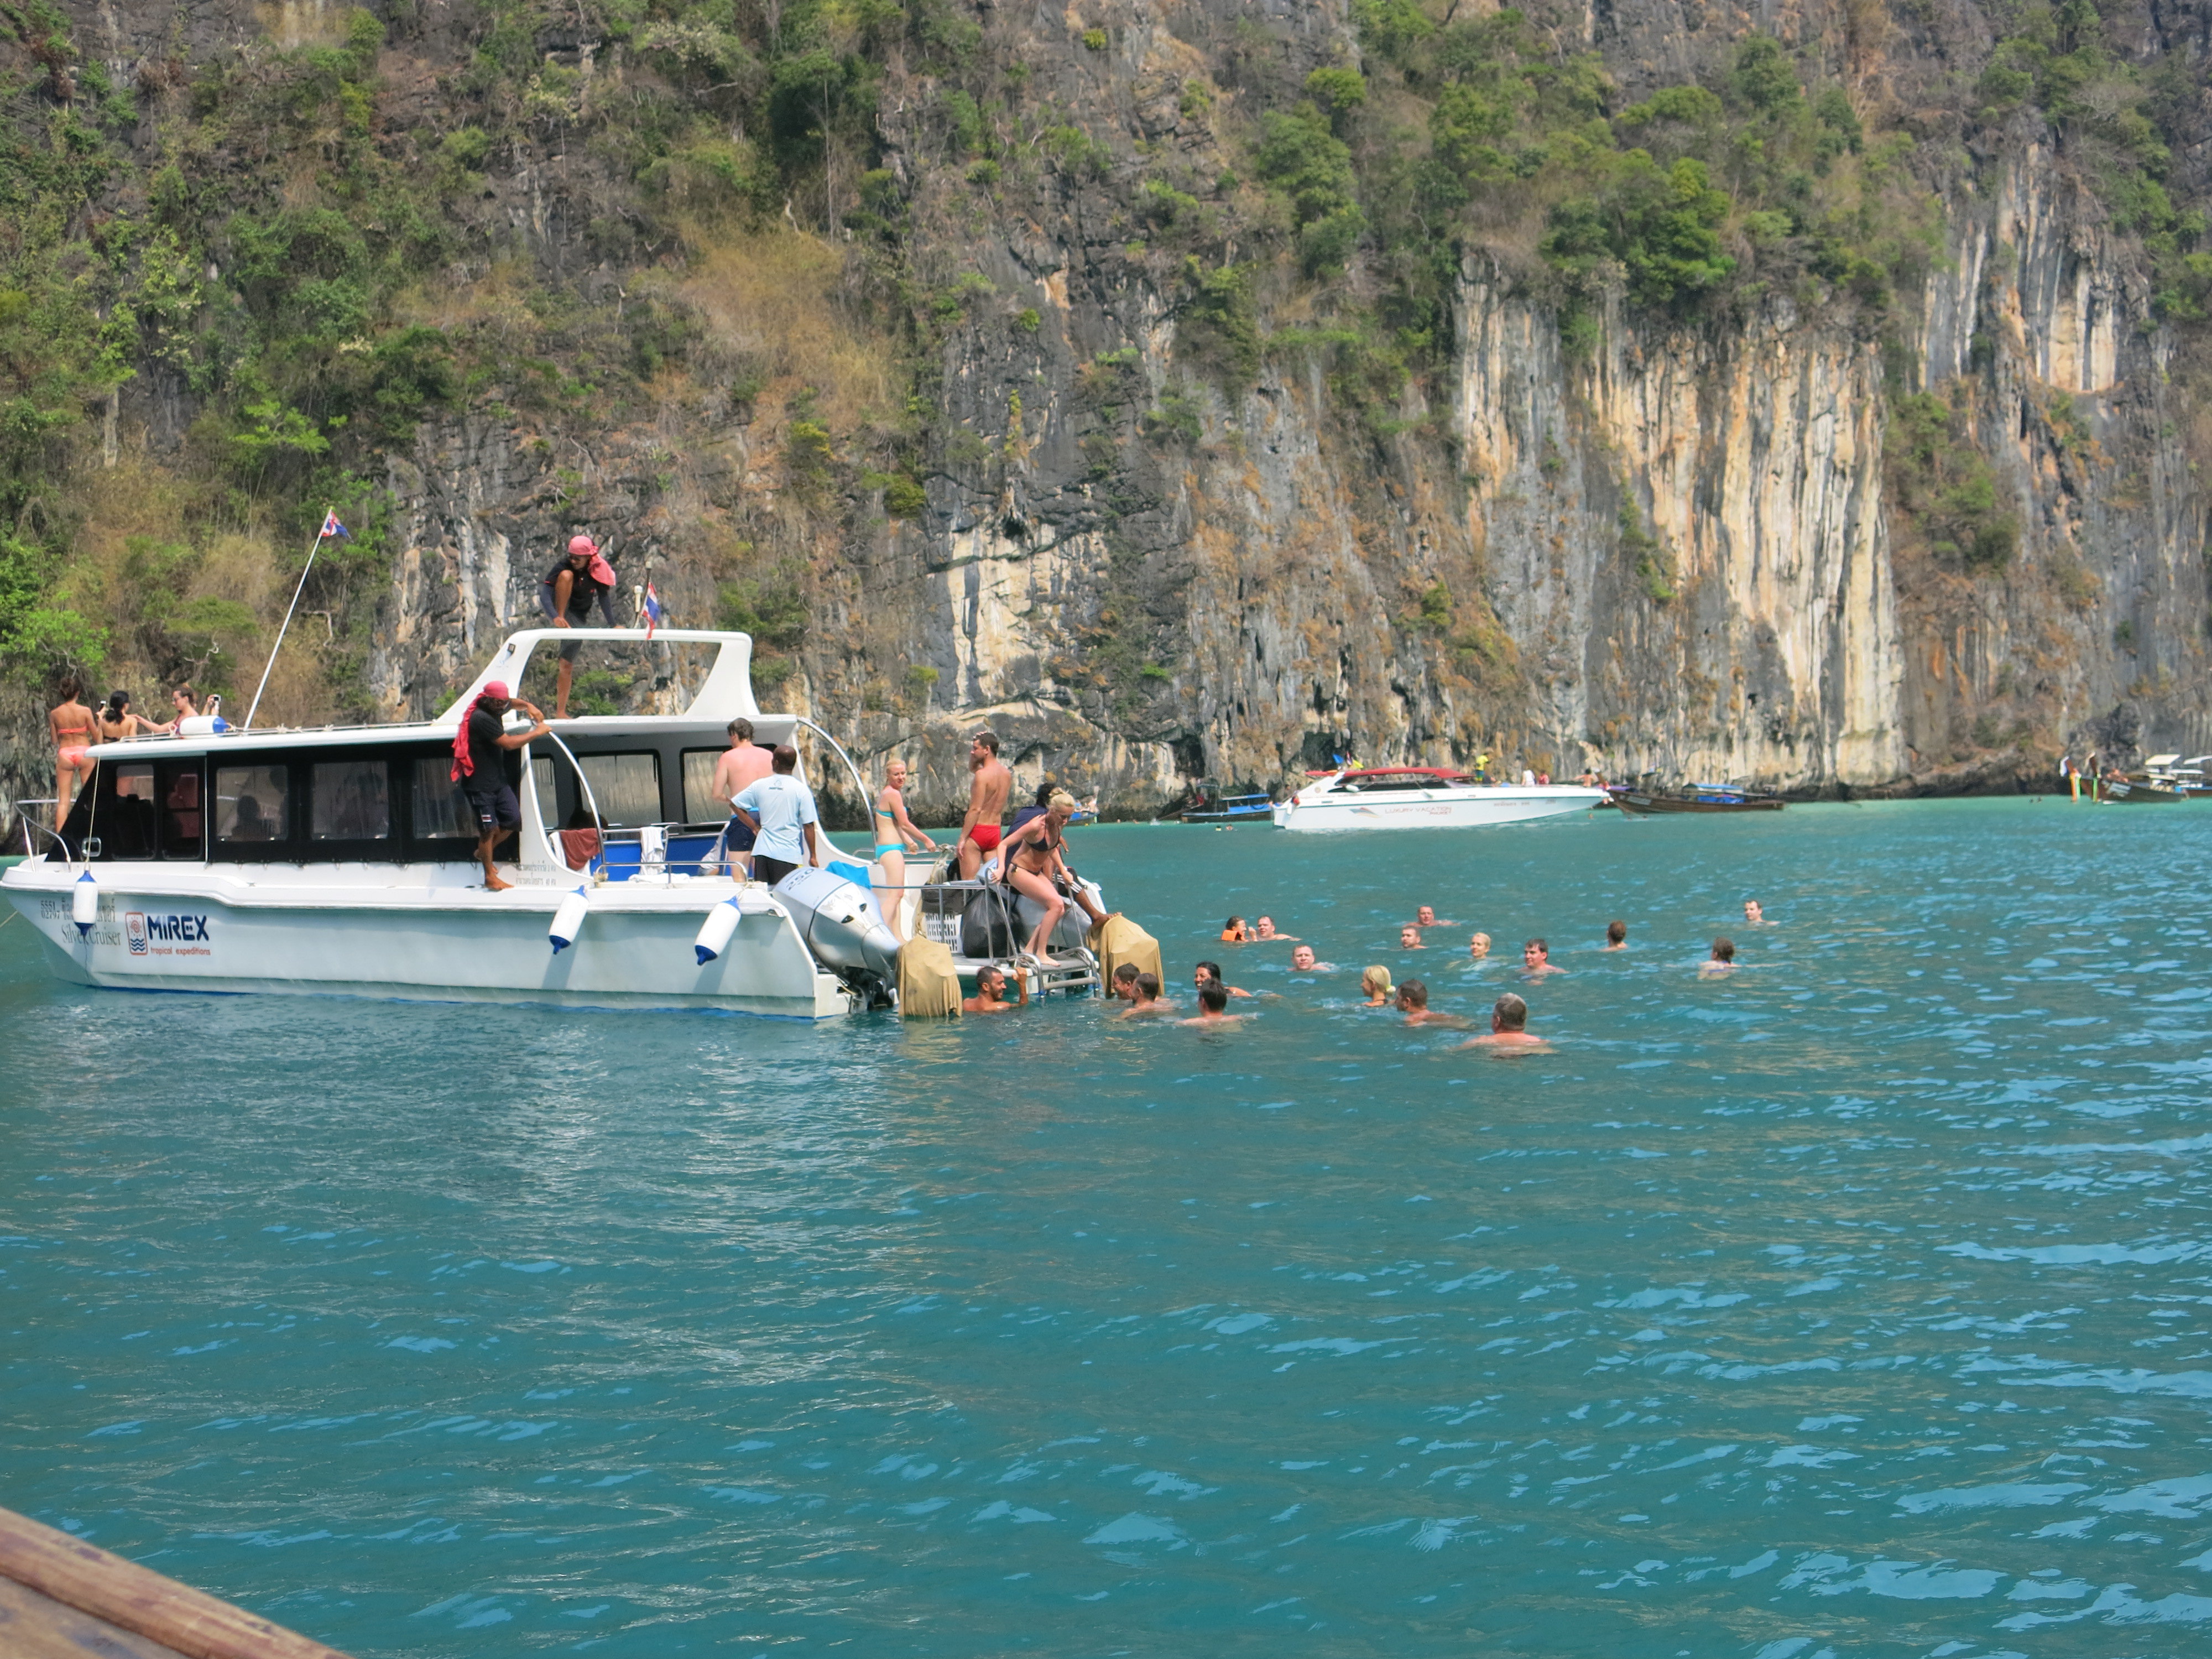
(430, 943)
(1635, 802)
(2123, 792)
(1481, 806)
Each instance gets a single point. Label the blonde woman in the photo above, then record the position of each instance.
(1375, 982)
(1036, 867)
(895, 835)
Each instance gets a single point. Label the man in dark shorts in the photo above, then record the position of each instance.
(567, 593)
(481, 772)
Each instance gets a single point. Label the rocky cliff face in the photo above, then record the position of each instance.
(1660, 543)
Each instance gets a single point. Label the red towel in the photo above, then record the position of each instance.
(464, 762)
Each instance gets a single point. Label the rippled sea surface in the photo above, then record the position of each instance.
(1855, 1301)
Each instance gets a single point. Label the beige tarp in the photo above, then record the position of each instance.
(1117, 940)
(928, 989)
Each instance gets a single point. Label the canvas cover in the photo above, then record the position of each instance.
(928, 989)
(1117, 940)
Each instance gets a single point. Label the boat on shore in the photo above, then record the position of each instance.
(1696, 797)
(1425, 797)
(341, 861)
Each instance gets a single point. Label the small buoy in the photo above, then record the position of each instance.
(714, 933)
(84, 904)
(568, 921)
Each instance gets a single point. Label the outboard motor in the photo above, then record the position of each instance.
(839, 920)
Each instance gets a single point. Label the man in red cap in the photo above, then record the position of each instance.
(567, 593)
(481, 775)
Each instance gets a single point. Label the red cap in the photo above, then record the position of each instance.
(495, 690)
(581, 545)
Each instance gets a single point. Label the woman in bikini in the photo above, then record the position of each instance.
(895, 836)
(74, 731)
(187, 707)
(117, 722)
(1031, 857)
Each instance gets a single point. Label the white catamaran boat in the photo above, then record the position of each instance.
(341, 861)
(1425, 797)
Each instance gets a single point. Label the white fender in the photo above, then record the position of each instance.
(714, 932)
(84, 903)
(569, 921)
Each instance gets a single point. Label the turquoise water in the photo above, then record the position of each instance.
(1855, 1302)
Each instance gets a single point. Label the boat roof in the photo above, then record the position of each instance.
(2165, 760)
(1447, 773)
(725, 694)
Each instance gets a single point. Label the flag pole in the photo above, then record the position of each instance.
(313, 548)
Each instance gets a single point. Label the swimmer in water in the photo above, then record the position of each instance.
(1508, 1030)
(1146, 999)
(1124, 988)
(1376, 982)
(1616, 936)
(1414, 1003)
(1232, 932)
(1426, 917)
(1753, 915)
(1302, 961)
(1263, 932)
(1478, 947)
(1536, 960)
(1212, 1006)
(990, 996)
(1723, 960)
(1210, 972)
(1409, 937)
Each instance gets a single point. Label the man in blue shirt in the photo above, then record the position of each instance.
(779, 810)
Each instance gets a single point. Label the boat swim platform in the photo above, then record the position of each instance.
(62, 1598)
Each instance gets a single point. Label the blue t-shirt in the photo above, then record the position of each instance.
(782, 804)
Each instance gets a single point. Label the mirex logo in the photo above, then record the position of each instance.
(176, 928)
(134, 930)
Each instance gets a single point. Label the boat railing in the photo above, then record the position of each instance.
(31, 826)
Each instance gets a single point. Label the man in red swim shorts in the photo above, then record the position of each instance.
(987, 803)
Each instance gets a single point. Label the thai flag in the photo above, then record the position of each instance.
(332, 528)
(654, 613)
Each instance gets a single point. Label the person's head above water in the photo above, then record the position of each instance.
(1478, 946)
(1409, 937)
(1212, 997)
(1724, 949)
(1125, 980)
(1264, 927)
(1536, 952)
(1616, 934)
(1413, 996)
(1302, 957)
(1751, 913)
(1375, 982)
(1205, 971)
(1148, 988)
(1425, 916)
(1508, 1014)
(785, 758)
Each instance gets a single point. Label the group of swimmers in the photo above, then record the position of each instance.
(1508, 1031)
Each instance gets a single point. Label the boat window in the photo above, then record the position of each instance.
(699, 805)
(126, 821)
(252, 803)
(184, 826)
(441, 810)
(626, 787)
(349, 800)
(541, 781)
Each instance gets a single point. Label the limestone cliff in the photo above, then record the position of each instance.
(1158, 539)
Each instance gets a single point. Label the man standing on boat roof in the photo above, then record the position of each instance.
(579, 580)
(988, 793)
(481, 775)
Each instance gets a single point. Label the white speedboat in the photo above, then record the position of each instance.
(341, 861)
(1425, 797)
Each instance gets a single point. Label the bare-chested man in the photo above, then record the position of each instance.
(987, 804)
(1508, 1029)
(743, 764)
